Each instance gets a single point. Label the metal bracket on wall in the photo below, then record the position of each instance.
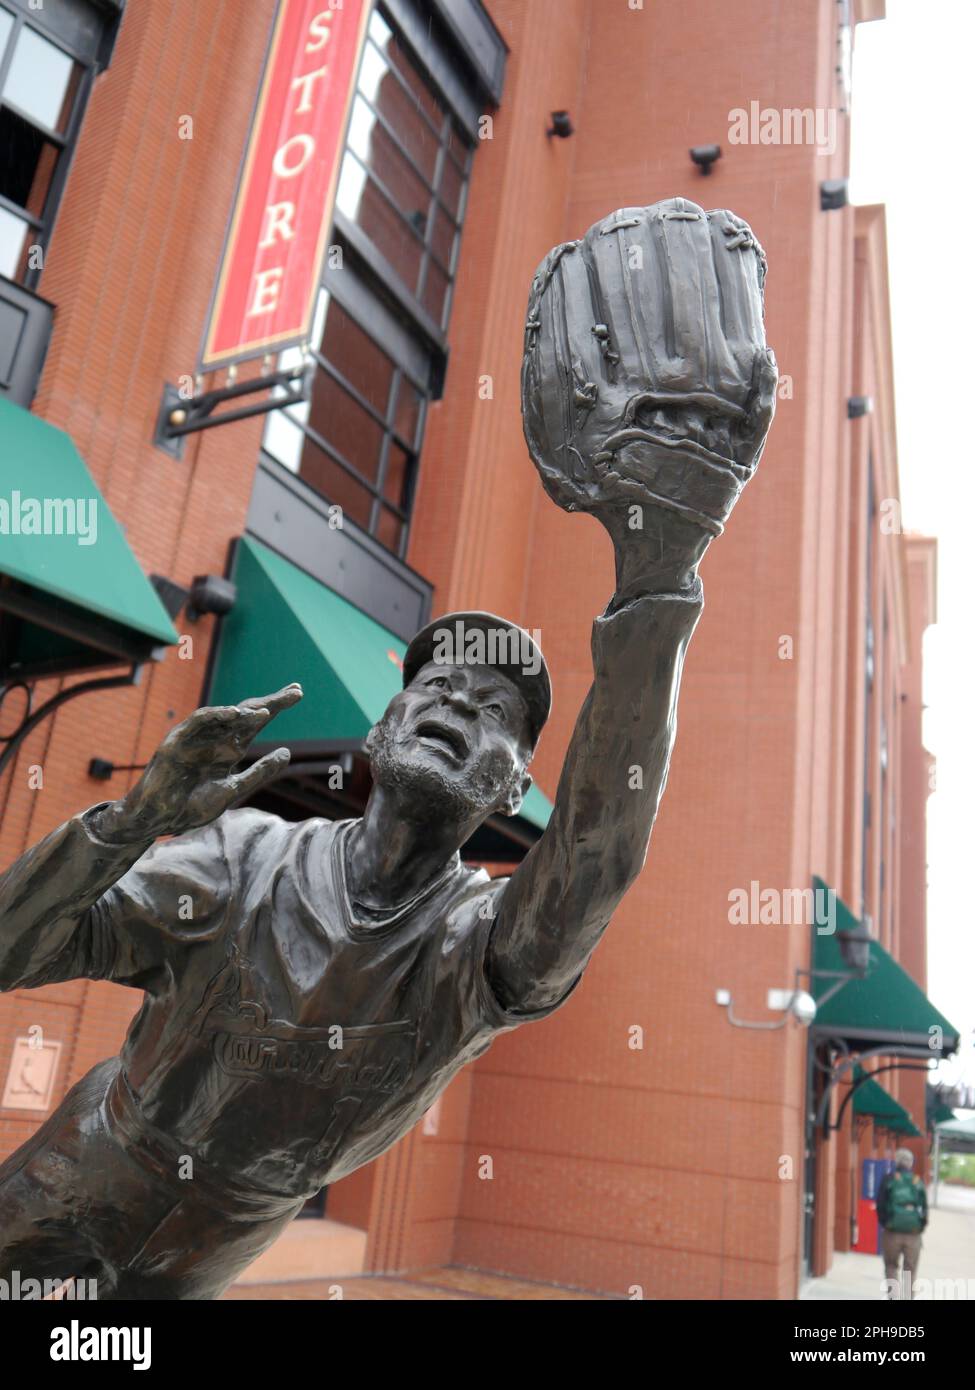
(180, 415)
(836, 1071)
(31, 717)
(868, 1076)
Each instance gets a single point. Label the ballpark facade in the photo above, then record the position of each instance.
(648, 1140)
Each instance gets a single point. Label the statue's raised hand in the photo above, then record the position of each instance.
(646, 377)
(191, 779)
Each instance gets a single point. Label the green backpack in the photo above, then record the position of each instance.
(903, 1212)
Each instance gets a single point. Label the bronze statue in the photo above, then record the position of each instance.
(311, 988)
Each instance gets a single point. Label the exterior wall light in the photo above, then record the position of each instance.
(561, 126)
(833, 194)
(704, 156)
(210, 594)
(855, 948)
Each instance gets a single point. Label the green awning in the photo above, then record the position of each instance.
(536, 808)
(71, 590)
(870, 1098)
(958, 1135)
(905, 1126)
(886, 1006)
(286, 626)
(942, 1114)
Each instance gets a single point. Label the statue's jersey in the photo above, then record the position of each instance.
(282, 1043)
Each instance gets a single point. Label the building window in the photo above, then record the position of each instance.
(48, 56)
(356, 438)
(403, 179)
(378, 350)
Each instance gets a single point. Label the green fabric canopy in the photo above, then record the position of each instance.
(960, 1130)
(58, 537)
(886, 1005)
(870, 1098)
(286, 626)
(536, 808)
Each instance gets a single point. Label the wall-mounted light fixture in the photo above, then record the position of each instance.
(210, 594)
(855, 947)
(833, 194)
(103, 769)
(857, 406)
(704, 156)
(561, 126)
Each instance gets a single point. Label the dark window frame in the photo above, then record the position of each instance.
(370, 290)
(90, 58)
(375, 262)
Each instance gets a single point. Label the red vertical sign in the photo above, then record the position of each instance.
(272, 262)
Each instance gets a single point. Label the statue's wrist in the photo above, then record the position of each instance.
(622, 598)
(118, 823)
(642, 569)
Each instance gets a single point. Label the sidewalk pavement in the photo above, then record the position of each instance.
(430, 1285)
(947, 1254)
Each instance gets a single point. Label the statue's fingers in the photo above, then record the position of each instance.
(548, 383)
(627, 258)
(258, 710)
(580, 316)
(692, 289)
(761, 407)
(244, 784)
(284, 698)
(220, 734)
(204, 726)
(739, 264)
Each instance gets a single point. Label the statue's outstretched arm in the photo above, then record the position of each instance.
(59, 919)
(647, 394)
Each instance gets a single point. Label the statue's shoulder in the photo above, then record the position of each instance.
(250, 834)
(475, 900)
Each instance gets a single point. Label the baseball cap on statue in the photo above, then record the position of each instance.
(484, 639)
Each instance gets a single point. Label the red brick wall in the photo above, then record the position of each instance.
(661, 1168)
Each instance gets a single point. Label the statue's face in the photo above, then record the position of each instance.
(457, 739)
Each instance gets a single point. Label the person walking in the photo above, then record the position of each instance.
(902, 1210)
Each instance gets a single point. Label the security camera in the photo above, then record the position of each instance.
(803, 1007)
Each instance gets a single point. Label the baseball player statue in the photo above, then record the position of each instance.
(311, 988)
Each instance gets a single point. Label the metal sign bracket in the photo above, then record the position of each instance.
(180, 415)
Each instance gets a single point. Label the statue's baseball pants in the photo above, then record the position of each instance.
(145, 1234)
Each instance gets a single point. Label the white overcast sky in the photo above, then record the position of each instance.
(913, 149)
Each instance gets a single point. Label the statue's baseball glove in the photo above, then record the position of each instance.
(646, 376)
